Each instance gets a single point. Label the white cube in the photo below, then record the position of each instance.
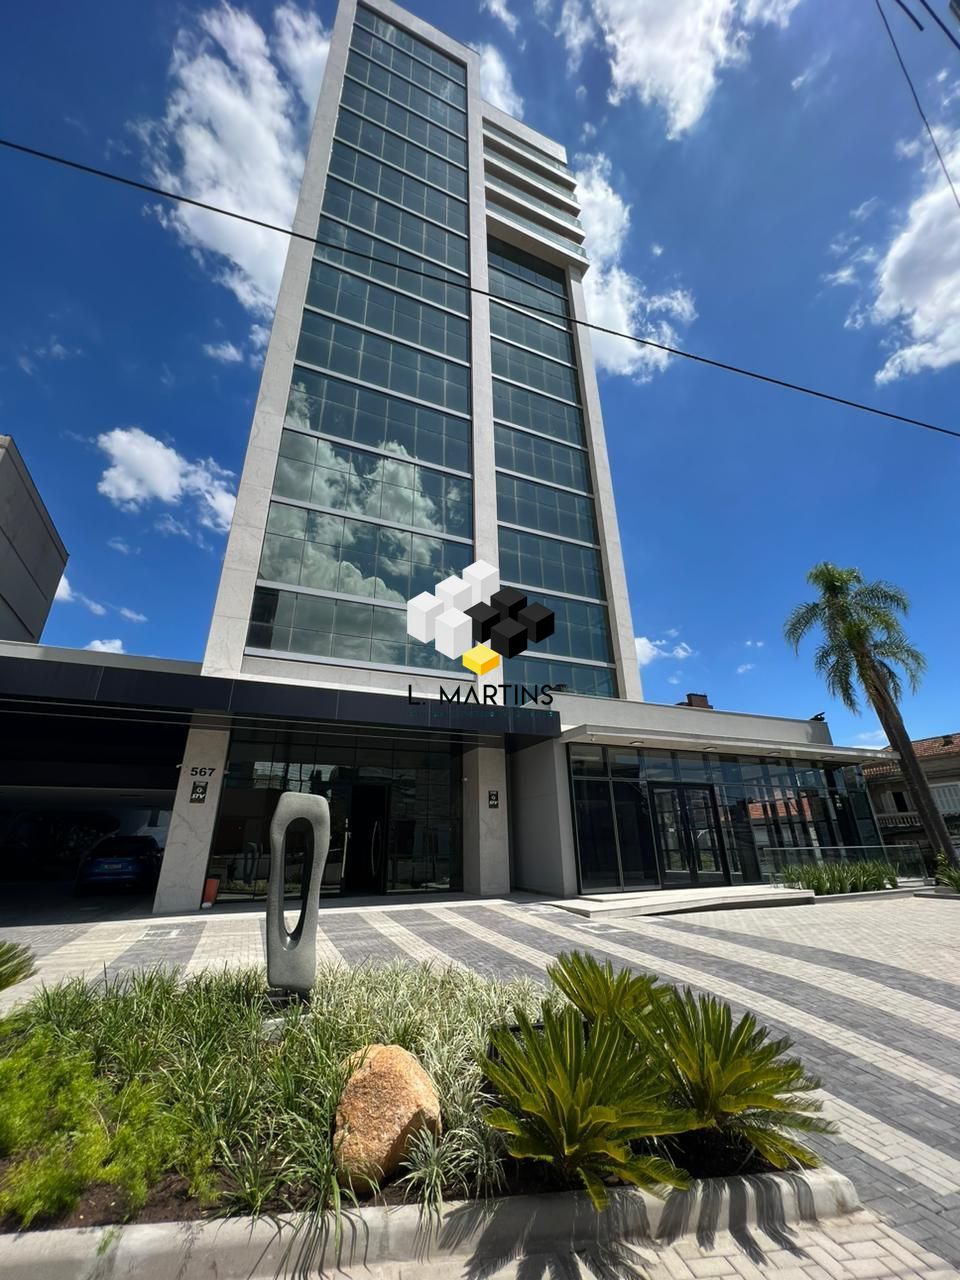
(422, 613)
(454, 633)
(455, 593)
(484, 580)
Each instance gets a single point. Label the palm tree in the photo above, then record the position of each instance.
(863, 643)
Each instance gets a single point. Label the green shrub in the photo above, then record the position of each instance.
(733, 1078)
(581, 1102)
(16, 964)
(947, 874)
(869, 875)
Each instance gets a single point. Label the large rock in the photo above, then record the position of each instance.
(387, 1098)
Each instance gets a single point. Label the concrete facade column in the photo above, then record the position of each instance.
(544, 847)
(192, 822)
(486, 826)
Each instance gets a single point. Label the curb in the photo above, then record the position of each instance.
(490, 1233)
(909, 891)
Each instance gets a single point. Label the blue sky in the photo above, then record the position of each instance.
(756, 187)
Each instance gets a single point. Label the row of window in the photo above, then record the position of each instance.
(513, 192)
(580, 629)
(323, 404)
(495, 133)
(342, 348)
(542, 459)
(525, 408)
(383, 180)
(374, 106)
(366, 212)
(375, 141)
(570, 677)
(311, 469)
(406, 94)
(505, 285)
(531, 224)
(394, 59)
(289, 622)
(550, 565)
(355, 557)
(524, 266)
(410, 44)
(534, 371)
(516, 326)
(536, 506)
(512, 166)
(366, 256)
(376, 307)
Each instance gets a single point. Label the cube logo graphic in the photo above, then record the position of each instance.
(475, 619)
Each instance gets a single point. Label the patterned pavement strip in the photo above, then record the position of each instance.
(870, 993)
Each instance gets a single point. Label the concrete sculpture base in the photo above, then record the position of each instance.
(292, 954)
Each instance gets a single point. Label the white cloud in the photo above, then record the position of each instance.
(131, 615)
(672, 632)
(53, 349)
(649, 650)
(498, 9)
(656, 249)
(234, 134)
(672, 54)
(755, 644)
(66, 594)
(496, 83)
(616, 299)
(910, 285)
(744, 667)
(542, 8)
(143, 469)
(917, 281)
(577, 29)
(873, 738)
(105, 646)
(225, 352)
(124, 547)
(675, 678)
(812, 72)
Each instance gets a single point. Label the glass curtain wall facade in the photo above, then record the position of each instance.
(372, 498)
(395, 812)
(547, 525)
(647, 817)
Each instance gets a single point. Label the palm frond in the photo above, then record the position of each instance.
(800, 621)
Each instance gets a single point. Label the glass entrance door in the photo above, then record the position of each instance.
(688, 835)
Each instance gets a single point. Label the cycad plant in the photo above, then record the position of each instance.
(16, 964)
(580, 1103)
(733, 1078)
(598, 991)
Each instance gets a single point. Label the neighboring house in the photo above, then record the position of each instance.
(896, 816)
(32, 557)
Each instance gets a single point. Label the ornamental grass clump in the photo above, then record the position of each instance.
(16, 964)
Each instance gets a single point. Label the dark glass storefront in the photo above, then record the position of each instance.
(395, 811)
(646, 817)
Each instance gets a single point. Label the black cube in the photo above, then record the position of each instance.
(484, 616)
(508, 638)
(508, 602)
(538, 620)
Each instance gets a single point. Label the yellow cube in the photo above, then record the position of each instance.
(480, 659)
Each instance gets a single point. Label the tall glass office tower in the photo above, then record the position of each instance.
(427, 400)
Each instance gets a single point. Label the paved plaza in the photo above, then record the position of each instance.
(868, 991)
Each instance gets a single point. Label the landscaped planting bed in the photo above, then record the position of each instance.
(868, 876)
(158, 1097)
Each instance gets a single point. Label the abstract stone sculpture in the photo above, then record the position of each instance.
(292, 955)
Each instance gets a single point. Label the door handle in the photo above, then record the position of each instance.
(373, 840)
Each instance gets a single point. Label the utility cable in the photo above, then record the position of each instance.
(919, 105)
(695, 357)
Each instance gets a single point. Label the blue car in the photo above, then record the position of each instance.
(123, 862)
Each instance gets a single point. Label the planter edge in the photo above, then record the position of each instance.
(252, 1249)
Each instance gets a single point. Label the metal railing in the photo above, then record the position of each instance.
(907, 859)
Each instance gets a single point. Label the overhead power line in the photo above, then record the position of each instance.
(941, 24)
(679, 352)
(917, 102)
